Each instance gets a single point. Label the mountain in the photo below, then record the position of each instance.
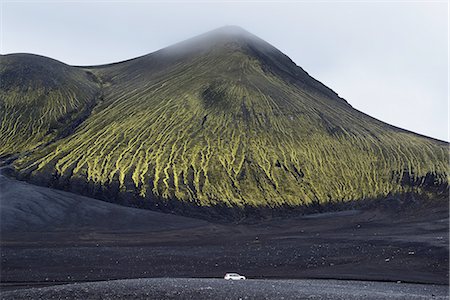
(221, 120)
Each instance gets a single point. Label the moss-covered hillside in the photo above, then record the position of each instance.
(224, 118)
(41, 99)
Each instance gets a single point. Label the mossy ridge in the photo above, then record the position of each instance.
(39, 98)
(221, 127)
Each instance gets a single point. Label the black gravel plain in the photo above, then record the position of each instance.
(194, 288)
(50, 237)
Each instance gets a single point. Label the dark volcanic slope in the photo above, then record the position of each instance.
(29, 208)
(224, 118)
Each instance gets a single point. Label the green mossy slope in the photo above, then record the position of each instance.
(40, 100)
(224, 118)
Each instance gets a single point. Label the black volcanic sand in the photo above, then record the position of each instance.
(194, 288)
(53, 237)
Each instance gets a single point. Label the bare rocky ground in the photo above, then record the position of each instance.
(194, 288)
(52, 237)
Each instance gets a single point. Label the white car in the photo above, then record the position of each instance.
(234, 276)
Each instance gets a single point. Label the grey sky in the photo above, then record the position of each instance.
(387, 59)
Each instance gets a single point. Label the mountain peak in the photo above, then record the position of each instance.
(229, 31)
(218, 38)
(221, 44)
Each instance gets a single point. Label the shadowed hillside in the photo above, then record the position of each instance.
(222, 119)
(29, 208)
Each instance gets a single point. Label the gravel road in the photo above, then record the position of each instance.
(195, 288)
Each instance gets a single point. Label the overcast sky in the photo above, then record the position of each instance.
(388, 59)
